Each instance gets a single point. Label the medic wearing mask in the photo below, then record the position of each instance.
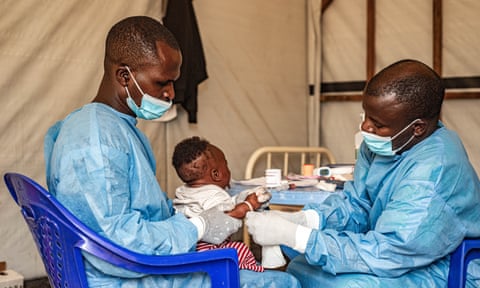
(391, 125)
(376, 133)
(102, 168)
(414, 197)
(150, 107)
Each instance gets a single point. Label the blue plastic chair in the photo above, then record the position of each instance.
(60, 239)
(468, 250)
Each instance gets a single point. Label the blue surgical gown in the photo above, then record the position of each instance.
(396, 224)
(102, 168)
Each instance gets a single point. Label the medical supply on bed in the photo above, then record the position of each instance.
(273, 178)
(331, 170)
(307, 170)
(326, 186)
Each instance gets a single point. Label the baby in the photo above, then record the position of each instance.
(205, 173)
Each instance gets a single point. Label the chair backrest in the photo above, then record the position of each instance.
(60, 238)
(468, 250)
(286, 152)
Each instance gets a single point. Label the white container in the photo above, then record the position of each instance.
(273, 178)
(10, 279)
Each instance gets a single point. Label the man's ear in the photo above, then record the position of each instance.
(122, 76)
(420, 127)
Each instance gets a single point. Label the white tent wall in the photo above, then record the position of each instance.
(51, 52)
(403, 30)
(256, 92)
(51, 55)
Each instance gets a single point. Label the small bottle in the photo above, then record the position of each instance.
(273, 178)
(307, 170)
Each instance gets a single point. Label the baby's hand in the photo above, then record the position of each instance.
(253, 200)
(262, 196)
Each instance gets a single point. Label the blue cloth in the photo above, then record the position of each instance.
(102, 168)
(397, 222)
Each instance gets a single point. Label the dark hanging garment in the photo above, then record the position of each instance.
(181, 21)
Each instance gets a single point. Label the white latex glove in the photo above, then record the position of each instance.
(271, 229)
(307, 218)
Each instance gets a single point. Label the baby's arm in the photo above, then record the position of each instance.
(242, 208)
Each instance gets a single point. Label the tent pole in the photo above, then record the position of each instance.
(314, 52)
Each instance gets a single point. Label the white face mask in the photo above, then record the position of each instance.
(382, 145)
(150, 107)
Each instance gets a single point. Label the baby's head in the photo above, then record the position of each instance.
(198, 163)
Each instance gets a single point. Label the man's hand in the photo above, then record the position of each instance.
(271, 229)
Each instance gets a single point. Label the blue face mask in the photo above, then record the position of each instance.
(151, 107)
(382, 145)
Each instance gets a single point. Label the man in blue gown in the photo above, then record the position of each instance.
(102, 168)
(414, 197)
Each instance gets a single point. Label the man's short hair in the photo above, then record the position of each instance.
(133, 41)
(413, 83)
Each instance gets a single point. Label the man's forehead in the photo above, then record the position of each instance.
(384, 108)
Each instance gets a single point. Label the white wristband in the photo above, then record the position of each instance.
(249, 205)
